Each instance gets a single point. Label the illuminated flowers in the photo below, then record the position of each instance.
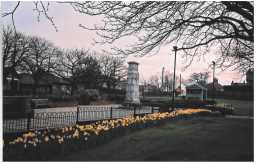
(83, 132)
(76, 134)
(46, 139)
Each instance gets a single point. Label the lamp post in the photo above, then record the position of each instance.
(213, 76)
(173, 84)
(162, 80)
(180, 84)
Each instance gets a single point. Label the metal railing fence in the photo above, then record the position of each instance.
(83, 114)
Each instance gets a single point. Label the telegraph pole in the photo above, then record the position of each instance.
(173, 86)
(213, 76)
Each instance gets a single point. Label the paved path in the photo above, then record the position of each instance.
(239, 116)
(72, 108)
(58, 109)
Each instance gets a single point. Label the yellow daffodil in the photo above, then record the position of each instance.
(37, 137)
(29, 135)
(52, 136)
(86, 133)
(46, 139)
(61, 140)
(11, 142)
(76, 134)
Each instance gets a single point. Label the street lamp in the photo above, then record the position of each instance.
(162, 86)
(173, 86)
(213, 76)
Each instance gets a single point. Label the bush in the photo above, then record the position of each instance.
(164, 108)
(112, 91)
(119, 98)
(84, 100)
(88, 95)
(16, 106)
(62, 98)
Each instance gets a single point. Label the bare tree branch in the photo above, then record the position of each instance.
(194, 26)
(12, 14)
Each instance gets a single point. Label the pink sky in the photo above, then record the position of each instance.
(70, 35)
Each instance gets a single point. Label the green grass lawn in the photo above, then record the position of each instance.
(241, 107)
(197, 139)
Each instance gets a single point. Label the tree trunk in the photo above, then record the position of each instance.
(72, 89)
(35, 85)
(13, 89)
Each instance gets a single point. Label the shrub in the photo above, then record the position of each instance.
(84, 100)
(119, 98)
(164, 108)
(10, 109)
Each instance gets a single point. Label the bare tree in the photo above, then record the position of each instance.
(113, 70)
(168, 81)
(200, 78)
(15, 49)
(79, 68)
(89, 72)
(155, 81)
(39, 60)
(42, 8)
(194, 26)
(69, 63)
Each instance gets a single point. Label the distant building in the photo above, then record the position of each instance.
(48, 84)
(238, 91)
(249, 77)
(11, 85)
(217, 86)
(196, 91)
(238, 84)
(241, 91)
(181, 91)
(150, 88)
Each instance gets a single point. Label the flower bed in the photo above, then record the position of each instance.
(48, 143)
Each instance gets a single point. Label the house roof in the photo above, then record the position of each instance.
(194, 85)
(216, 86)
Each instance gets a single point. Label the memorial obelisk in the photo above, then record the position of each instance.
(132, 88)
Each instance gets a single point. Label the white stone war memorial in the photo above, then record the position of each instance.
(132, 89)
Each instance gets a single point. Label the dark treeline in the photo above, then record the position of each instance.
(36, 56)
